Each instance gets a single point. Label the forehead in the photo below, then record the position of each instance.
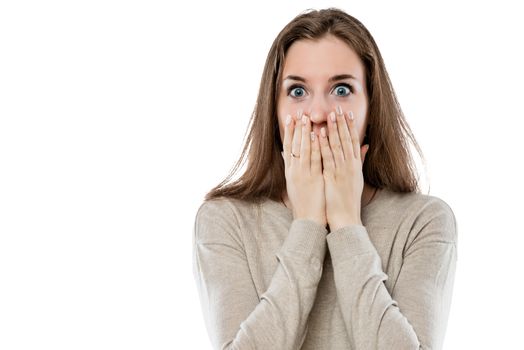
(321, 59)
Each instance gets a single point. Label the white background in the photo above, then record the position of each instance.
(116, 117)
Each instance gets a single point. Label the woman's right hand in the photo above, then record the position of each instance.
(304, 179)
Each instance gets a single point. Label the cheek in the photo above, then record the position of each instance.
(285, 107)
(361, 133)
(360, 125)
(281, 130)
(282, 112)
(362, 120)
(280, 119)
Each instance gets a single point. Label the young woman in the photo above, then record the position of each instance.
(325, 242)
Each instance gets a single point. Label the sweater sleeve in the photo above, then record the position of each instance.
(415, 315)
(236, 317)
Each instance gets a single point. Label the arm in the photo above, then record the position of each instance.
(235, 316)
(415, 315)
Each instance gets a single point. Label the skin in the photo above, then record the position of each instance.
(326, 183)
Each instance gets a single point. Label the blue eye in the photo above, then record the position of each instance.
(299, 91)
(343, 90)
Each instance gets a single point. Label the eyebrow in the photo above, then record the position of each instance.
(332, 79)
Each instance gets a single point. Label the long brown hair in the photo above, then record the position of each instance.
(388, 163)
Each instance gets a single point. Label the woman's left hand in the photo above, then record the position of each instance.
(342, 158)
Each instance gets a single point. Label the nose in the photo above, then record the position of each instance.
(318, 112)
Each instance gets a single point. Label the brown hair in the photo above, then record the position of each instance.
(388, 163)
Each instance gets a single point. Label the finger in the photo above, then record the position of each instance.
(344, 133)
(297, 139)
(354, 134)
(305, 146)
(316, 158)
(288, 132)
(325, 151)
(334, 141)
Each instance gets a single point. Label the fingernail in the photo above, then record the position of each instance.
(339, 110)
(323, 132)
(304, 119)
(299, 114)
(288, 119)
(351, 115)
(312, 136)
(332, 116)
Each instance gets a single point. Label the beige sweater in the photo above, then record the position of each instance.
(267, 281)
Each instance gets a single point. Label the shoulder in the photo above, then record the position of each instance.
(221, 218)
(425, 214)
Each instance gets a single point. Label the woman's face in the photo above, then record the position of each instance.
(319, 75)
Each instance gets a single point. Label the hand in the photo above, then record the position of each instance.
(304, 180)
(342, 157)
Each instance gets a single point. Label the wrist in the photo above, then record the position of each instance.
(343, 223)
